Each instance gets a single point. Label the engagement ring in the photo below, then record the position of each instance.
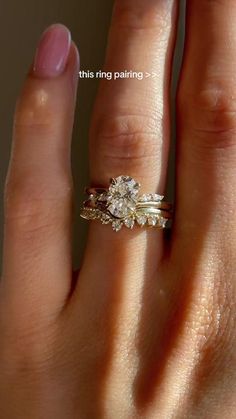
(122, 205)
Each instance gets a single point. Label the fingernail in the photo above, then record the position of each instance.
(52, 52)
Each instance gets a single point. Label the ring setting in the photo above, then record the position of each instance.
(122, 205)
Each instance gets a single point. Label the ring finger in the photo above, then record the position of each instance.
(129, 136)
(130, 126)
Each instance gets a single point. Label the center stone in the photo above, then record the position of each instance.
(122, 196)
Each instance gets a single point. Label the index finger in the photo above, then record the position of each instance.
(37, 241)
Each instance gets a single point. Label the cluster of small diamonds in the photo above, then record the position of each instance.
(151, 197)
(117, 224)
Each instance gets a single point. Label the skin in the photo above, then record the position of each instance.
(147, 329)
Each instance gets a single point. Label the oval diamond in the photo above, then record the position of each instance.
(122, 196)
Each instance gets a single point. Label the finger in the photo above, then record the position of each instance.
(130, 133)
(130, 126)
(203, 239)
(129, 136)
(37, 254)
(207, 124)
(131, 117)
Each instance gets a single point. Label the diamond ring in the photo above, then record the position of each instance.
(122, 205)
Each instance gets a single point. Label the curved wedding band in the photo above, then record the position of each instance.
(122, 205)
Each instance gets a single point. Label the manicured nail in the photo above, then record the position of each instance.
(52, 52)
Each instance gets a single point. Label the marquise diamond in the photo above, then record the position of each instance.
(152, 221)
(163, 222)
(129, 223)
(141, 220)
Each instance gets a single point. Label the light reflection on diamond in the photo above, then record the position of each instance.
(152, 221)
(141, 220)
(122, 196)
(163, 222)
(151, 197)
(129, 223)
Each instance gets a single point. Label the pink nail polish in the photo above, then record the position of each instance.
(52, 52)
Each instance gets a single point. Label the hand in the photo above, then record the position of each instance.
(147, 330)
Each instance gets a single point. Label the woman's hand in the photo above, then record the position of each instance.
(148, 328)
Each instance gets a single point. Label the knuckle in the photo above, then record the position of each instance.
(131, 139)
(27, 349)
(210, 115)
(30, 207)
(27, 336)
(134, 15)
(34, 110)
